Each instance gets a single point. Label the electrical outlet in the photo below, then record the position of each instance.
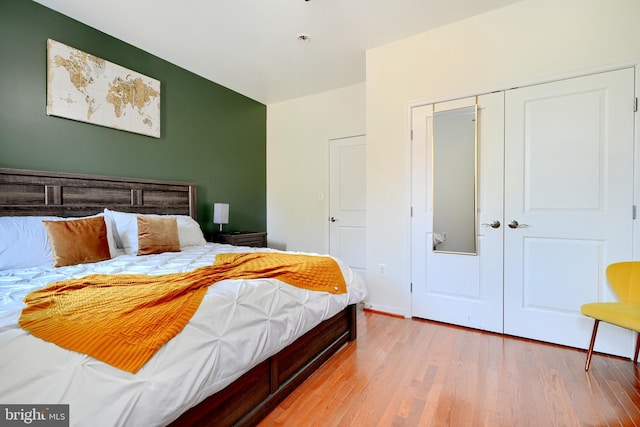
(444, 235)
(382, 268)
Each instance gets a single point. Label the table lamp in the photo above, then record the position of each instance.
(221, 214)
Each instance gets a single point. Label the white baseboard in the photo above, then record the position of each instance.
(394, 311)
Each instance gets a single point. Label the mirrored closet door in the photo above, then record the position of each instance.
(459, 283)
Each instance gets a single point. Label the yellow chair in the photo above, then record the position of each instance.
(624, 278)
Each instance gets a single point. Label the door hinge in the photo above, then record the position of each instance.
(411, 214)
(633, 212)
(635, 105)
(411, 287)
(412, 133)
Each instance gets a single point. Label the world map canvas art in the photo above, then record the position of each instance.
(83, 87)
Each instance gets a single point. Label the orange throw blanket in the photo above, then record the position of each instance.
(124, 319)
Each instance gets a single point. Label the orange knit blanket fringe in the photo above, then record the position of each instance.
(124, 319)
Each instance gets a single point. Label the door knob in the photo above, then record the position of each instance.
(515, 224)
(333, 219)
(492, 224)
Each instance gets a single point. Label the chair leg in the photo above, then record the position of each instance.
(635, 357)
(593, 341)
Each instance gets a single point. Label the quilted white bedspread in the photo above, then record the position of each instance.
(239, 324)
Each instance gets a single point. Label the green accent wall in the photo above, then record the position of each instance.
(209, 134)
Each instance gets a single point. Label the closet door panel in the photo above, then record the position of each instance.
(568, 204)
(460, 289)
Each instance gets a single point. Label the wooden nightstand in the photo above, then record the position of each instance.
(256, 239)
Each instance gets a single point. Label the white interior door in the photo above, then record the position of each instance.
(459, 289)
(569, 186)
(348, 201)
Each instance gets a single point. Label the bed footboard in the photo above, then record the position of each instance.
(254, 395)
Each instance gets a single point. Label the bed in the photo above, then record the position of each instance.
(249, 344)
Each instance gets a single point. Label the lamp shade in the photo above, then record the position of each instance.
(221, 213)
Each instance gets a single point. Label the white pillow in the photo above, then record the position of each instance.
(126, 230)
(24, 241)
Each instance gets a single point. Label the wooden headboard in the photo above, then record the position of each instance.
(29, 192)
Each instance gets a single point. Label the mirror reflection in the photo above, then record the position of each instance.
(454, 181)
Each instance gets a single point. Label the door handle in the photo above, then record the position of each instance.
(492, 224)
(333, 219)
(515, 224)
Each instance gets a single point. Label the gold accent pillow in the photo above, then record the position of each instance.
(157, 235)
(78, 241)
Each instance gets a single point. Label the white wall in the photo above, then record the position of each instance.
(528, 42)
(298, 134)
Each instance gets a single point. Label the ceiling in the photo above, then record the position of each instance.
(252, 46)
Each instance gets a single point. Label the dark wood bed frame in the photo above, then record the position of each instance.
(256, 393)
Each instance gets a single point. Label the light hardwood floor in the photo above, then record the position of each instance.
(403, 372)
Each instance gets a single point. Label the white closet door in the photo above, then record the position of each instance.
(453, 288)
(348, 201)
(569, 186)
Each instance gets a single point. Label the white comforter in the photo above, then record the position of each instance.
(239, 324)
